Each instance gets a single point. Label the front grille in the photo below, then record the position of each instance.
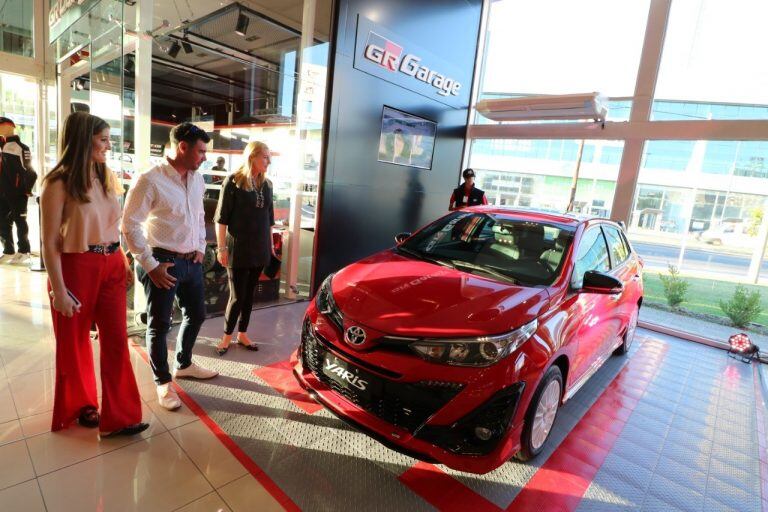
(405, 405)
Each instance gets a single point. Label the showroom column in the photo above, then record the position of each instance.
(647, 72)
(297, 182)
(142, 121)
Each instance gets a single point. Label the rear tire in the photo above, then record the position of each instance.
(629, 335)
(541, 414)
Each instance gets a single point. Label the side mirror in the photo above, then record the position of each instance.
(402, 237)
(599, 282)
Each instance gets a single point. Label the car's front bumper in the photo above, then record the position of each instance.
(402, 414)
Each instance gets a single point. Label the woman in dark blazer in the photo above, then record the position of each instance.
(244, 219)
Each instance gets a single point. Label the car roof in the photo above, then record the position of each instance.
(540, 215)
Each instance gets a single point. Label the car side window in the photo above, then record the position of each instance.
(616, 247)
(592, 254)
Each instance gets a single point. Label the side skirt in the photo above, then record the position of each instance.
(592, 370)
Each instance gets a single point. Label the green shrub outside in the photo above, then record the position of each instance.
(743, 307)
(675, 287)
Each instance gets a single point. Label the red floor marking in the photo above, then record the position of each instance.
(280, 377)
(443, 491)
(281, 497)
(559, 485)
(761, 440)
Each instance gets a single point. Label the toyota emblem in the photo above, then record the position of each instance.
(355, 335)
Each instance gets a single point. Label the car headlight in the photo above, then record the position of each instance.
(483, 351)
(326, 305)
(324, 298)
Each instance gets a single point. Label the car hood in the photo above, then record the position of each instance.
(397, 295)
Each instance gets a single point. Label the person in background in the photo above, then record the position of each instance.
(88, 275)
(467, 194)
(16, 181)
(213, 179)
(168, 199)
(244, 219)
(219, 167)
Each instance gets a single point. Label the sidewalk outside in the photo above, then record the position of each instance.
(697, 326)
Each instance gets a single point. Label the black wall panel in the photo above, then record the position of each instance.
(364, 203)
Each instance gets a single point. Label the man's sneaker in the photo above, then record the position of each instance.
(7, 258)
(194, 372)
(167, 396)
(20, 258)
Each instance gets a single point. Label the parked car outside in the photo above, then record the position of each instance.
(731, 233)
(459, 344)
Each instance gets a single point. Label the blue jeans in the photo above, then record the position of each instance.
(190, 292)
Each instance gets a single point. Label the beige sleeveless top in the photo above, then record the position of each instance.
(93, 223)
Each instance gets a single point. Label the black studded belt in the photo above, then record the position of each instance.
(104, 248)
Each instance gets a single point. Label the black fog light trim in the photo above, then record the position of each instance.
(489, 421)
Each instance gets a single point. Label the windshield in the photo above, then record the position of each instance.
(508, 249)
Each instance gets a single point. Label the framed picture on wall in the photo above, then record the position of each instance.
(406, 139)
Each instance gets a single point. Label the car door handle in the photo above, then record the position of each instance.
(636, 277)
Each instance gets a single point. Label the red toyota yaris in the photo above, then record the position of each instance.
(458, 345)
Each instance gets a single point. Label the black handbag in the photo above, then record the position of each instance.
(273, 267)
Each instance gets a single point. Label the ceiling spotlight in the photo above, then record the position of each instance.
(173, 51)
(242, 24)
(187, 47)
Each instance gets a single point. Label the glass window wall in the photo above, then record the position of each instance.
(561, 56)
(710, 66)
(699, 205)
(540, 173)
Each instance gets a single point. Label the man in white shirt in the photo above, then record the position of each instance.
(166, 203)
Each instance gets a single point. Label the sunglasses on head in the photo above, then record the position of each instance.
(189, 130)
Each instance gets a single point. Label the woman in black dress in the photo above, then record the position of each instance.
(244, 219)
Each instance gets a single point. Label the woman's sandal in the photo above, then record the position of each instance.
(89, 417)
(223, 350)
(250, 346)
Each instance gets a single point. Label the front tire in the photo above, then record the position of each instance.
(629, 336)
(541, 414)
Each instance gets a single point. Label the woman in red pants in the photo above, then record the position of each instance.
(88, 276)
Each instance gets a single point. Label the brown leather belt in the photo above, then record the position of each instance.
(165, 253)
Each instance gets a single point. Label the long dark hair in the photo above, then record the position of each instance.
(74, 166)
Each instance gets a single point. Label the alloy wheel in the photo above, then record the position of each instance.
(545, 414)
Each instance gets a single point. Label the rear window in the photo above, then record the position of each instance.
(508, 249)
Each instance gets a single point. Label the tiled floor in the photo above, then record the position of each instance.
(672, 427)
(177, 464)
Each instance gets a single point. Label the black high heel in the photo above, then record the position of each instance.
(130, 430)
(89, 417)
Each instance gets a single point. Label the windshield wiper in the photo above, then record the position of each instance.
(485, 269)
(422, 256)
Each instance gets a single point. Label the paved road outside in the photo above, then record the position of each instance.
(713, 261)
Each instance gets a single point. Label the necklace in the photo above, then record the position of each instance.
(259, 193)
